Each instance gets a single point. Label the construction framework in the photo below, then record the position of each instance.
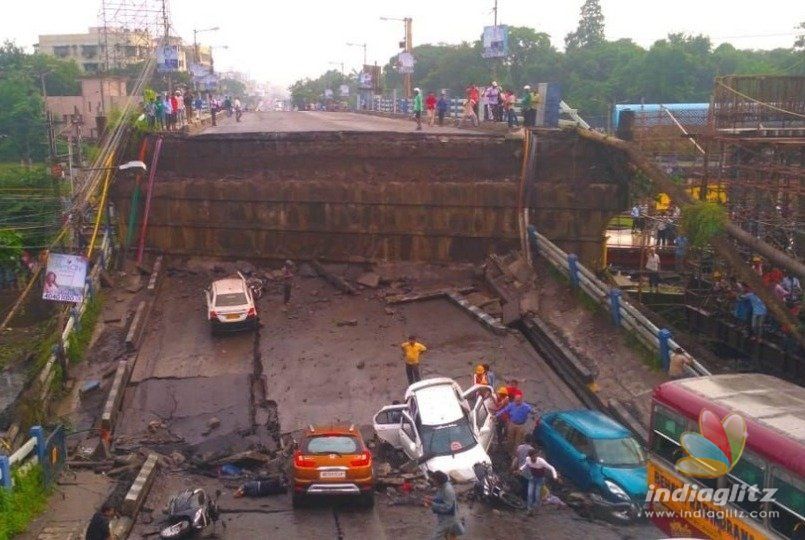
(756, 150)
(129, 29)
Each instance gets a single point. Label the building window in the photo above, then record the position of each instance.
(61, 51)
(91, 67)
(89, 51)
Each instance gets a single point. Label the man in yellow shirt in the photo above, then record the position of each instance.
(412, 350)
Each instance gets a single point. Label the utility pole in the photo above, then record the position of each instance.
(495, 60)
(166, 28)
(407, 46)
(364, 49)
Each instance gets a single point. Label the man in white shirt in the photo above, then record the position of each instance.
(538, 467)
(653, 268)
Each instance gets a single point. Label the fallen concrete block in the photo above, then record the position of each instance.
(152, 281)
(529, 302)
(334, 280)
(424, 295)
(487, 320)
(478, 299)
(140, 487)
(520, 270)
(369, 279)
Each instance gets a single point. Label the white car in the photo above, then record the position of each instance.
(230, 305)
(440, 426)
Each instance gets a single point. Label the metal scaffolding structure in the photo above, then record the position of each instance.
(756, 149)
(128, 30)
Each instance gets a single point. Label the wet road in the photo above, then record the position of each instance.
(316, 372)
(285, 121)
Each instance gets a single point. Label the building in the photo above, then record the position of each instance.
(97, 95)
(96, 49)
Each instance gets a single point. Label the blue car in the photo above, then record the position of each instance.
(596, 453)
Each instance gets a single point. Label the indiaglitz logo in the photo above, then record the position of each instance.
(715, 450)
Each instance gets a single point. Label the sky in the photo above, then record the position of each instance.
(280, 42)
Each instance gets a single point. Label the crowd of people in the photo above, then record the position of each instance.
(495, 103)
(171, 111)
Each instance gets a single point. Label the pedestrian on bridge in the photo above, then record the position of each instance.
(526, 106)
(417, 106)
(412, 352)
(441, 107)
(430, 105)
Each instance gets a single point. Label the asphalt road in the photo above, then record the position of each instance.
(316, 372)
(285, 121)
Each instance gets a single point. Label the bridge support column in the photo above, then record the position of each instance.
(5, 472)
(615, 305)
(573, 269)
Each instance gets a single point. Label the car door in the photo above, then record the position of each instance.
(557, 449)
(410, 442)
(572, 462)
(481, 421)
(388, 423)
(583, 452)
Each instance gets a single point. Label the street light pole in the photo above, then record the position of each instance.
(407, 21)
(363, 45)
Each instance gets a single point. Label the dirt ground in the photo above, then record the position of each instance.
(623, 370)
(318, 371)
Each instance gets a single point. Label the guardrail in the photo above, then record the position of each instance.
(50, 452)
(622, 312)
(403, 107)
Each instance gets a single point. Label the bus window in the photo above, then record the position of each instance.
(750, 470)
(668, 427)
(789, 504)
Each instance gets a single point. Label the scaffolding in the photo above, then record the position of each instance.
(756, 150)
(129, 29)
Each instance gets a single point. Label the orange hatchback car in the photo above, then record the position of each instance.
(333, 460)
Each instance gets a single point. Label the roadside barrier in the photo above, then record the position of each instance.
(49, 451)
(623, 314)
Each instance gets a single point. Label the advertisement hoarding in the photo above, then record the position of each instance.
(496, 41)
(405, 62)
(65, 276)
(167, 58)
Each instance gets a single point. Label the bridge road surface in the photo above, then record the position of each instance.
(292, 121)
(319, 372)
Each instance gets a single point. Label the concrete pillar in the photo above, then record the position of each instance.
(615, 305)
(573, 268)
(664, 335)
(5, 472)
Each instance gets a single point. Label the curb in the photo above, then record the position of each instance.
(140, 487)
(136, 329)
(113, 402)
(484, 318)
(625, 417)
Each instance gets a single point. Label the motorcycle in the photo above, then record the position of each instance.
(491, 489)
(189, 512)
(257, 286)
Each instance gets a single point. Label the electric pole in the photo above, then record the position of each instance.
(407, 46)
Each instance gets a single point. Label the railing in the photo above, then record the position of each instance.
(623, 314)
(49, 452)
(403, 107)
(91, 285)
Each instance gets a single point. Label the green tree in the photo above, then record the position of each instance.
(591, 27)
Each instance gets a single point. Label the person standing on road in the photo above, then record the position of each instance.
(676, 364)
(474, 95)
(430, 105)
(445, 506)
(501, 400)
(538, 467)
(518, 460)
(653, 268)
(287, 282)
(441, 107)
(417, 106)
(518, 415)
(412, 351)
(98, 528)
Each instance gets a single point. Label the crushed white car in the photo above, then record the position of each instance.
(440, 426)
(230, 305)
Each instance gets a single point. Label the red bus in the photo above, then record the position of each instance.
(763, 495)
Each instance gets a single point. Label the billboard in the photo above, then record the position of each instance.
(496, 41)
(344, 90)
(167, 58)
(369, 78)
(328, 93)
(405, 62)
(64, 278)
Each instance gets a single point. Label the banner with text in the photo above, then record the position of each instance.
(65, 276)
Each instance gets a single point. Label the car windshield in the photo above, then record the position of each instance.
(447, 439)
(619, 452)
(230, 299)
(332, 444)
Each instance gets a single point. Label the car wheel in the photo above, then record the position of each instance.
(298, 500)
(368, 499)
